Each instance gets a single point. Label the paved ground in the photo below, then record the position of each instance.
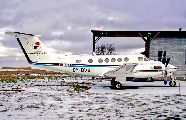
(156, 87)
(44, 99)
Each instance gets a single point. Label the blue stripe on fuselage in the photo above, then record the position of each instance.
(85, 65)
(75, 65)
(149, 71)
(46, 64)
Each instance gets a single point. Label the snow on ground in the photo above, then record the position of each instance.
(56, 99)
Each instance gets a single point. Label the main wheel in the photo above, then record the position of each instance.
(118, 85)
(172, 83)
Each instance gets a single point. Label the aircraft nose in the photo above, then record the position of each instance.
(173, 67)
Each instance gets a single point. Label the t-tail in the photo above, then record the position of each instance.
(35, 51)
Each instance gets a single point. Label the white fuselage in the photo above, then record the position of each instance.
(100, 65)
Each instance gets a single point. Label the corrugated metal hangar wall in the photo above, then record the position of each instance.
(175, 50)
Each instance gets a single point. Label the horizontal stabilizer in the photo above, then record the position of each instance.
(18, 34)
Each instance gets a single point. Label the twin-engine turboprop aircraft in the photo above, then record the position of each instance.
(118, 67)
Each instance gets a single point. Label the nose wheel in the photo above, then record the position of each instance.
(116, 84)
(172, 83)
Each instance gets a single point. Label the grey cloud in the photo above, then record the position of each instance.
(45, 16)
(75, 48)
(13, 63)
(10, 42)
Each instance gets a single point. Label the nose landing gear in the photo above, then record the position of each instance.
(172, 83)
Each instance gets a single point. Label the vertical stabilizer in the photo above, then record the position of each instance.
(34, 50)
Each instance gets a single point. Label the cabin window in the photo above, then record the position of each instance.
(90, 60)
(119, 59)
(106, 60)
(113, 60)
(100, 60)
(78, 61)
(140, 58)
(126, 59)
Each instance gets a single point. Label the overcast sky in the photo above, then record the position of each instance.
(65, 25)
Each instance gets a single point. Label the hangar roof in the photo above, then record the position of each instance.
(151, 34)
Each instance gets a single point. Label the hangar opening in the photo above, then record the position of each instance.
(120, 45)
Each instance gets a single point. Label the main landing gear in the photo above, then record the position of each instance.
(116, 84)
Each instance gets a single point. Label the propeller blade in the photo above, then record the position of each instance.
(167, 62)
(164, 57)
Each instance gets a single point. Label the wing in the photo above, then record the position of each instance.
(122, 70)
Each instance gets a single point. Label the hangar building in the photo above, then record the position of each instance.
(173, 42)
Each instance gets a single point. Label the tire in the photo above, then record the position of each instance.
(172, 83)
(118, 85)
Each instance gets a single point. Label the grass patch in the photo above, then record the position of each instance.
(31, 77)
(118, 99)
(165, 111)
(157, 101)
(52, 105)
(161, 116)
(80, 110)
(80, 88)
(89, 114)
(116, 110)
(32, 106)
(178, 102)
(4, 110)
(101, 108)
(9, 80)
(58, 99)
(175, 117)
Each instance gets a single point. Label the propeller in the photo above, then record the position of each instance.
(165, 73)
(165, 62)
